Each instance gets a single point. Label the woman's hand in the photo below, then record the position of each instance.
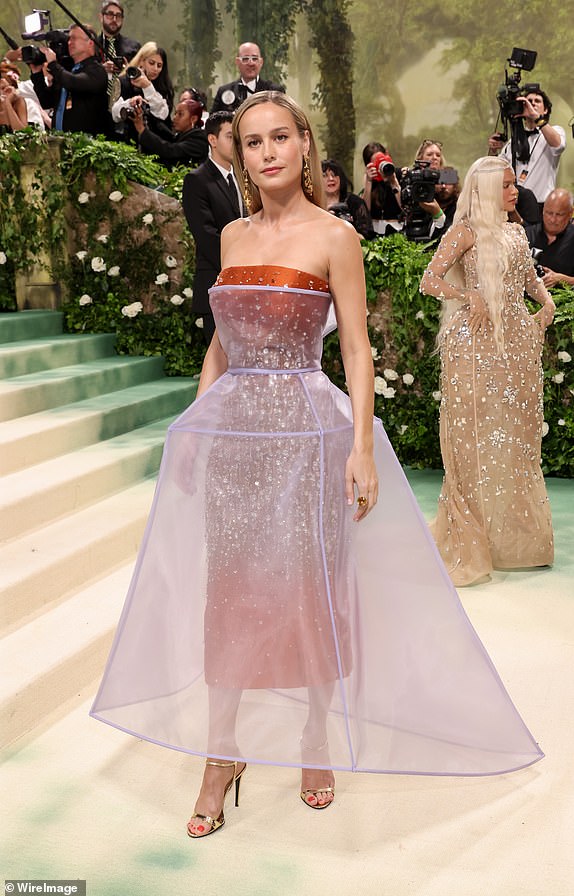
(478, 318)
(360, 470)
(142, 81)
(545, 315)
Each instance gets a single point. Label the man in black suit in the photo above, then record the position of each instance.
(249, 62)
(211, 199)
(79, 97)
(113, 42)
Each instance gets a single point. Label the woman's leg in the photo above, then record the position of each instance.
(317, 784)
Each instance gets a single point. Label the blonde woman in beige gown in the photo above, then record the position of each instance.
(493, 510)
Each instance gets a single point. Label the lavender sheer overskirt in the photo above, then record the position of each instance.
(252, 579)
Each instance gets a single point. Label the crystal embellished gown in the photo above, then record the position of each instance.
(254, 587)
(493, 508)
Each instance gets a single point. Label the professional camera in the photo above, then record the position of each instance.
(133, 72)
(507, 94)
(418, 182)
(38, 26)
(384, 165)
(128, 113)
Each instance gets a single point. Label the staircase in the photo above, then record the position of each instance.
(81, 437)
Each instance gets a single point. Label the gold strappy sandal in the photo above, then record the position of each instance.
(313, 792)
(216, 823)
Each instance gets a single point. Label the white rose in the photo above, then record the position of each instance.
(147, 219)
(561, 422)
(177, 300)
(199, 322)
(437, 395)
(390, 374)
(170, 261)
(420, 315)
(98, 264)
(116, 196)
(103, 238)
(85, 299)
(408, 379)
(81, 254)
(564, 356)
(114, 271)
(3, 258)
(380, 385)
(375, 353)
(161, 278)
(389, 392)
(188, 293)
(132, 310)
(545, 429)
(558, 377)
(83, 198)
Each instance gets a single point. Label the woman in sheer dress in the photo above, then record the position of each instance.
(493, 509)
(275, 614)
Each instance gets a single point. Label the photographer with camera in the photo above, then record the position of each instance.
(341, 201)
(552, 241)
(115, 46)
(145, 84)
(538, 144)
(187, 143)
(425, 219)
(381, 190)
(78, 97)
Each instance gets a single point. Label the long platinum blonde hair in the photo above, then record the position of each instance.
(250, 190)
(480, 206)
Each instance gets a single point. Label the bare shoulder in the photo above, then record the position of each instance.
(336, 234)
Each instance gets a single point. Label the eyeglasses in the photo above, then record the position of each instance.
(249, 58)
(432, 143)
(113, 15)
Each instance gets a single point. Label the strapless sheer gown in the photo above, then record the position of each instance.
(253, 582)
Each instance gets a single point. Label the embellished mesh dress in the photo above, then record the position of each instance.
(493, 509)
(253, 583)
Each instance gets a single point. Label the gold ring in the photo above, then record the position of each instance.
(362, 501)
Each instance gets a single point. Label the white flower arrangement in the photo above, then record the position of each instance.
(408, 379)
(81, 254)
(161, 279)
(116, 196)
(103, 238)
(565, 357)
(177, 300)
(114, 271)
(132, 310)
(390, 374)
(561, 422)
(199, 322)
(558, 377)
(188, 293)
(170, 261)
(375, 353)
(3, 258)
(83, 198)
(403, 428)
(420, 315)
(545, 429)
(85, 299)
(389, 392)
(148, 219)
(380, 385)
(437, 395)
(98, 264)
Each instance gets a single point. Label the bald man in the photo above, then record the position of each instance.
(552, 241)
(249, 62)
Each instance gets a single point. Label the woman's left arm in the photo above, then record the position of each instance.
(347, 282)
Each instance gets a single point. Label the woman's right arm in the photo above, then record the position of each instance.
(214, 365)
(458, 240)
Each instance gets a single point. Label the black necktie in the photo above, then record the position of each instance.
(233, 194)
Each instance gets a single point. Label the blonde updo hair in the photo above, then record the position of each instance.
(480, 207)
(250, 190)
